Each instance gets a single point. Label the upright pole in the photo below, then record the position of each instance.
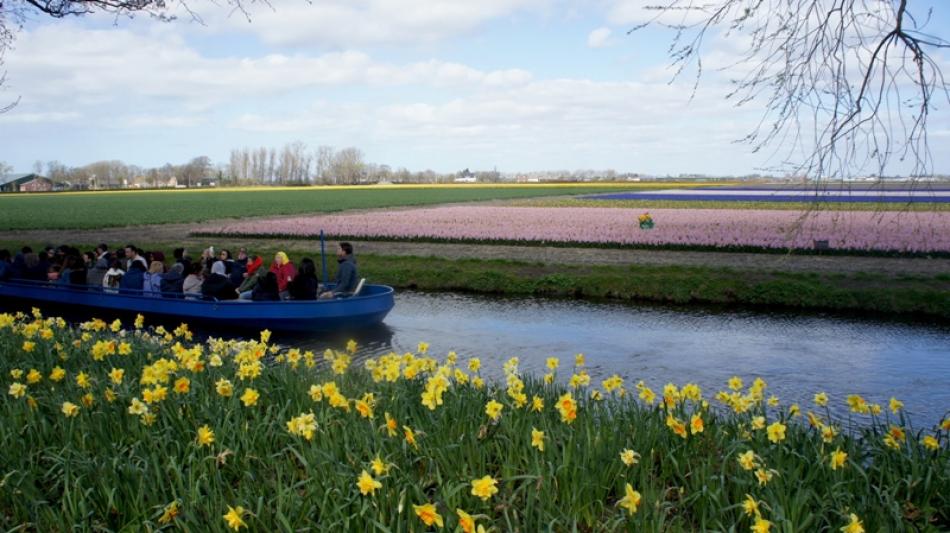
(323, 257)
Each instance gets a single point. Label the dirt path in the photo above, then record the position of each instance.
(178, 233)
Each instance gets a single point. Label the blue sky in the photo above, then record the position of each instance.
(514, 84)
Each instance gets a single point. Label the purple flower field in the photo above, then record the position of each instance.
(861, 230)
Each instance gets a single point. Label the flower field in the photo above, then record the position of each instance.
(860, 231)
(113, 427)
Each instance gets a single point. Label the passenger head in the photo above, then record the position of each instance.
(116, 264)
(102, 248)
(130, 251)
(218, 268)
(179, 253)
(345, 249)
(224, 255)
(307, 268)
(89, 257)
(177, 268)
(195, 269)
(156, 267)
(242, 253)
(26, 250)
(269, 282)
(281, 258)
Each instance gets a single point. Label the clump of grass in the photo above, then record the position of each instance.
(136, 429)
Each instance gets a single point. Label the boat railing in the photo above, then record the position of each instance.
(142, 293)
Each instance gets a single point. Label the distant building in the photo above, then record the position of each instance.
(467, 179)
(25, 183)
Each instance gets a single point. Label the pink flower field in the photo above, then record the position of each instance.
(854, 230)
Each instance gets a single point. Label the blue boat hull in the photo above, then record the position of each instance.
(367, 309)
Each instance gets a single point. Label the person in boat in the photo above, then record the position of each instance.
(133, 282)
(285, 272)
(191, 286)
(101, 266)
(74, 271)
(18, 265)
(305, 284)
(347, 276)
(35, 267)
(113, 277)
(252, 277)
(153, 278)
(218, 285)
(266, 288)
(173, 281)
(6, 265)
(52, 273)
(181, 256)
(134, 255)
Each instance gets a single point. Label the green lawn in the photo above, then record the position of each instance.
(114, 209)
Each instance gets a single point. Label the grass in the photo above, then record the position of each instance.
(713, 204)
(105, 468)
(92, 210)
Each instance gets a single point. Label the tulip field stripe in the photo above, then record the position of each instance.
(93, 210)
(867, 231)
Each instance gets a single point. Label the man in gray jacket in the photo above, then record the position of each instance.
(98, 271)
(347, 276)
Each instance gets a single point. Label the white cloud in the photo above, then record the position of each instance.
(598, 38)
(13, 117)
(356, 23)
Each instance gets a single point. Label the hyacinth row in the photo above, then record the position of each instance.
(892, 231)
(111, 428)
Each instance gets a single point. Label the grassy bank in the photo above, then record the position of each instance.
(911, 295)
(141, 430)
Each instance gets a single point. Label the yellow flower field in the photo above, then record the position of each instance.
(126, 427)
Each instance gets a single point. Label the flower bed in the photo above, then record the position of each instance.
(860, 231)
(139, 429)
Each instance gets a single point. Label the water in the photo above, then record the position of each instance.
(796, 354)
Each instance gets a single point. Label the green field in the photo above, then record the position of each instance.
(94, 210)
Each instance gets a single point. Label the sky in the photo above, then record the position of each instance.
(516, 85)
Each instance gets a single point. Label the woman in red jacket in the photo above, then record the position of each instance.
(285, 272)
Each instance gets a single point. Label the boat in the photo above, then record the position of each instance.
(367, 307)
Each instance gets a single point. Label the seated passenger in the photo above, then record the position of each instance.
(100, 267)
(173, 280)
(217, 285)
(305, 283)
(133, 282)
(192, 284)
(251, 277)
(53, 273)
(266, 288)
(285, 272)
(347, 277)
(153, 278)
(113, 276)
(6, 265)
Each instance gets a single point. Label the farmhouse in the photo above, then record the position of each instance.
(25, 183)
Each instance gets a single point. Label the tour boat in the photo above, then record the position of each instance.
(368, 306)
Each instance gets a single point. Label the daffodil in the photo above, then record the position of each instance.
(17, 390)
(776, 432)
(930, 442)
(493, 409)
(70, 409)
(379, 466)
(764, 476)
(629, 457)
(761, 525)
(235, 517)
(57, 374)
(116, 375)
(205, 436)
(821, 399)
(484, 487)
(410, 436)
(537, 439)
(747, 460)
(428, 514)
(367, 484)
(249, 398)
(630, 500)
(169, 512)
(750, 506)
(735, 383)
(696, 424)
(838, 459)
(182, 385)
(33, 377)
(224, 387)
(854, 525)
(466, 522)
